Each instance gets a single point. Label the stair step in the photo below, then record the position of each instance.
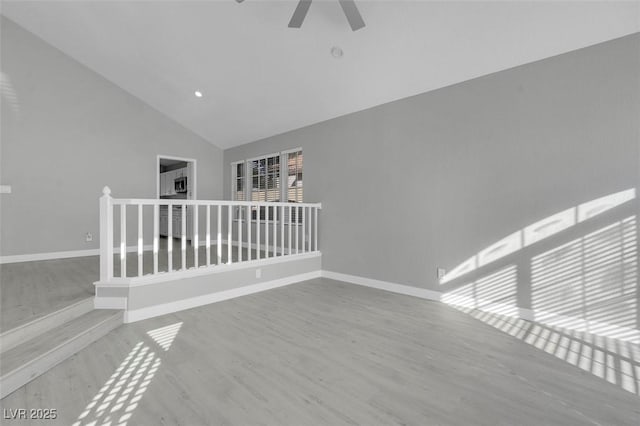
(30, 359)
(21, 334)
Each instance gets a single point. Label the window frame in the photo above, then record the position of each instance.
(248, 179)
(284, 159)
(239, 213)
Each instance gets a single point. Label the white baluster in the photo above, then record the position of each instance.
(219, 246)
(249, 252)
(123, 240)
(169, 237)
(156, 236)
(275, 229)
(229, 234)
(309, 221)
(183, 237)
(304, 227)
(315, 231)
(140, 240)
(208, 237)
(258, 232)
(290, 230)
(266, 232)
(239, 234)
(282, 230)
(195, 242)
(106, 236)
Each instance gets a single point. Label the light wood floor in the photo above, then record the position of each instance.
(34, 289)
(321, 353)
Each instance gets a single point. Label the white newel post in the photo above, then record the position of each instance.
(106, 236)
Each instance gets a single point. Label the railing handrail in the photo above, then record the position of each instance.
(164, 202)
(272, 223)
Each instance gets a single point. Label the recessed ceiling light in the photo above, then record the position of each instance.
(198, 94)
(336, 52)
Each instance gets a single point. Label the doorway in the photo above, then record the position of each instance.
(175, 180)
(171, 169)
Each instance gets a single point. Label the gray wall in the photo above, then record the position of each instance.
(70, 132)
(430, 180)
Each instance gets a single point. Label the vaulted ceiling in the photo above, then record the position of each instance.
(260, 78)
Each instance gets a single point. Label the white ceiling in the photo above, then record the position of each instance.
(260, 78)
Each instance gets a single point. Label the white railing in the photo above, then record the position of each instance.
(223, 232)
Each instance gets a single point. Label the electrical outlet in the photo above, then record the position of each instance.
(88, 237)
(441, 272)
(259, 273)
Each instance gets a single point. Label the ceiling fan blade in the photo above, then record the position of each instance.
(299, 14)
(351, 12)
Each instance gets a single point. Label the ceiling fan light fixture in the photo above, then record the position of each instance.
(336, 52)
(349, 8)
(198, 94)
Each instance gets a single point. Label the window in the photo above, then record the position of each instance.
(238, 181)
(261, 179)
(265, 178)
(294, 176)
(238, 192)
(265, 183)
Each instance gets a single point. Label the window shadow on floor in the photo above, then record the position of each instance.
(614, 360)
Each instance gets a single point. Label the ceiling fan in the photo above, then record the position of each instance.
(348, 7)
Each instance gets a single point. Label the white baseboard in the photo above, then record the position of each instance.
(109, 302)
(550, 319)
(48, 256)
(526, 314)
(193, 302)
(589, 326)
(63, 254)
(384, 285)
(561, 321)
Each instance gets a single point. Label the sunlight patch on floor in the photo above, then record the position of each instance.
(164, 336)
(613, 360)
(120, 395)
